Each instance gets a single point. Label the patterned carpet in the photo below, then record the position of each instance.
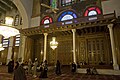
(66, 75)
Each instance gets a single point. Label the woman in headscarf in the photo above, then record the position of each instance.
(35, 68)
(58, 69)
(10, 66)
(19, 73)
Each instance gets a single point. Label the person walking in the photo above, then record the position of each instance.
(35, 68)
(16, 65)
(58, 68)
(45, 70)
(41, 70)
(73, 68)
(10, 66)
(29, 66)
(19, 73)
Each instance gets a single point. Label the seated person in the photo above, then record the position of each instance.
(94, 71)
(73, 67)
(88, 71)
(85, 63)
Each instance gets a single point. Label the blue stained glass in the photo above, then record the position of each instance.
(70, 12)
(75, 16)
(65, 14)
(59, 19)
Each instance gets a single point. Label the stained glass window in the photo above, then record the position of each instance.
(16, 21)
(46, 20)
(67, 2)
(17, 40)
(67, 15)
(53, 3)
(91, 11)
(5, 42)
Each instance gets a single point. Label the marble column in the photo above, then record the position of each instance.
(10, 52)
(1, 52)
(45, 46)
(115, 64)
(74, 54)
(21, 48)
(0, 39)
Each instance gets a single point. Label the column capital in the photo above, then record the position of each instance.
(110, 26)
(73, 30)
(45, 34)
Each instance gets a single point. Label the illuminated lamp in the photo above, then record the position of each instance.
(7, 30)
(53, 43)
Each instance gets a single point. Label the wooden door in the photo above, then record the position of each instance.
(96, 50)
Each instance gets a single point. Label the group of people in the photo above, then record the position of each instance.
(32, 68)
(91, 71)
(19, 72)
(43, 69)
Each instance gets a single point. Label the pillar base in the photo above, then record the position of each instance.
(115, 66)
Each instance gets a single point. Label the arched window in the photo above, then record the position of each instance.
(17, 40)
(67, 15)
(5, 42)
(91, 11)
(53, 3)
(46, 20)
(67, 2)
(16, 21)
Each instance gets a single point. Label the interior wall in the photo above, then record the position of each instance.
(16, 51)
(28, 49)
(3, 55)
(110, 6)
(25, 9)
(99, 50)
(65, 50)
(117, 41)
(35, 20)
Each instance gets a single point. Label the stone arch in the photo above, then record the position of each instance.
(23, 13)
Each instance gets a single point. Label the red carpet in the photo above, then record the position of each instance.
(66, 75)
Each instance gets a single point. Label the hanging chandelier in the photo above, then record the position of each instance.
(7, 30)
(1, 48)
(53, 43)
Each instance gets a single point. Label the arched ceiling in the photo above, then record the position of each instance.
(6, 5)
(23, 6)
